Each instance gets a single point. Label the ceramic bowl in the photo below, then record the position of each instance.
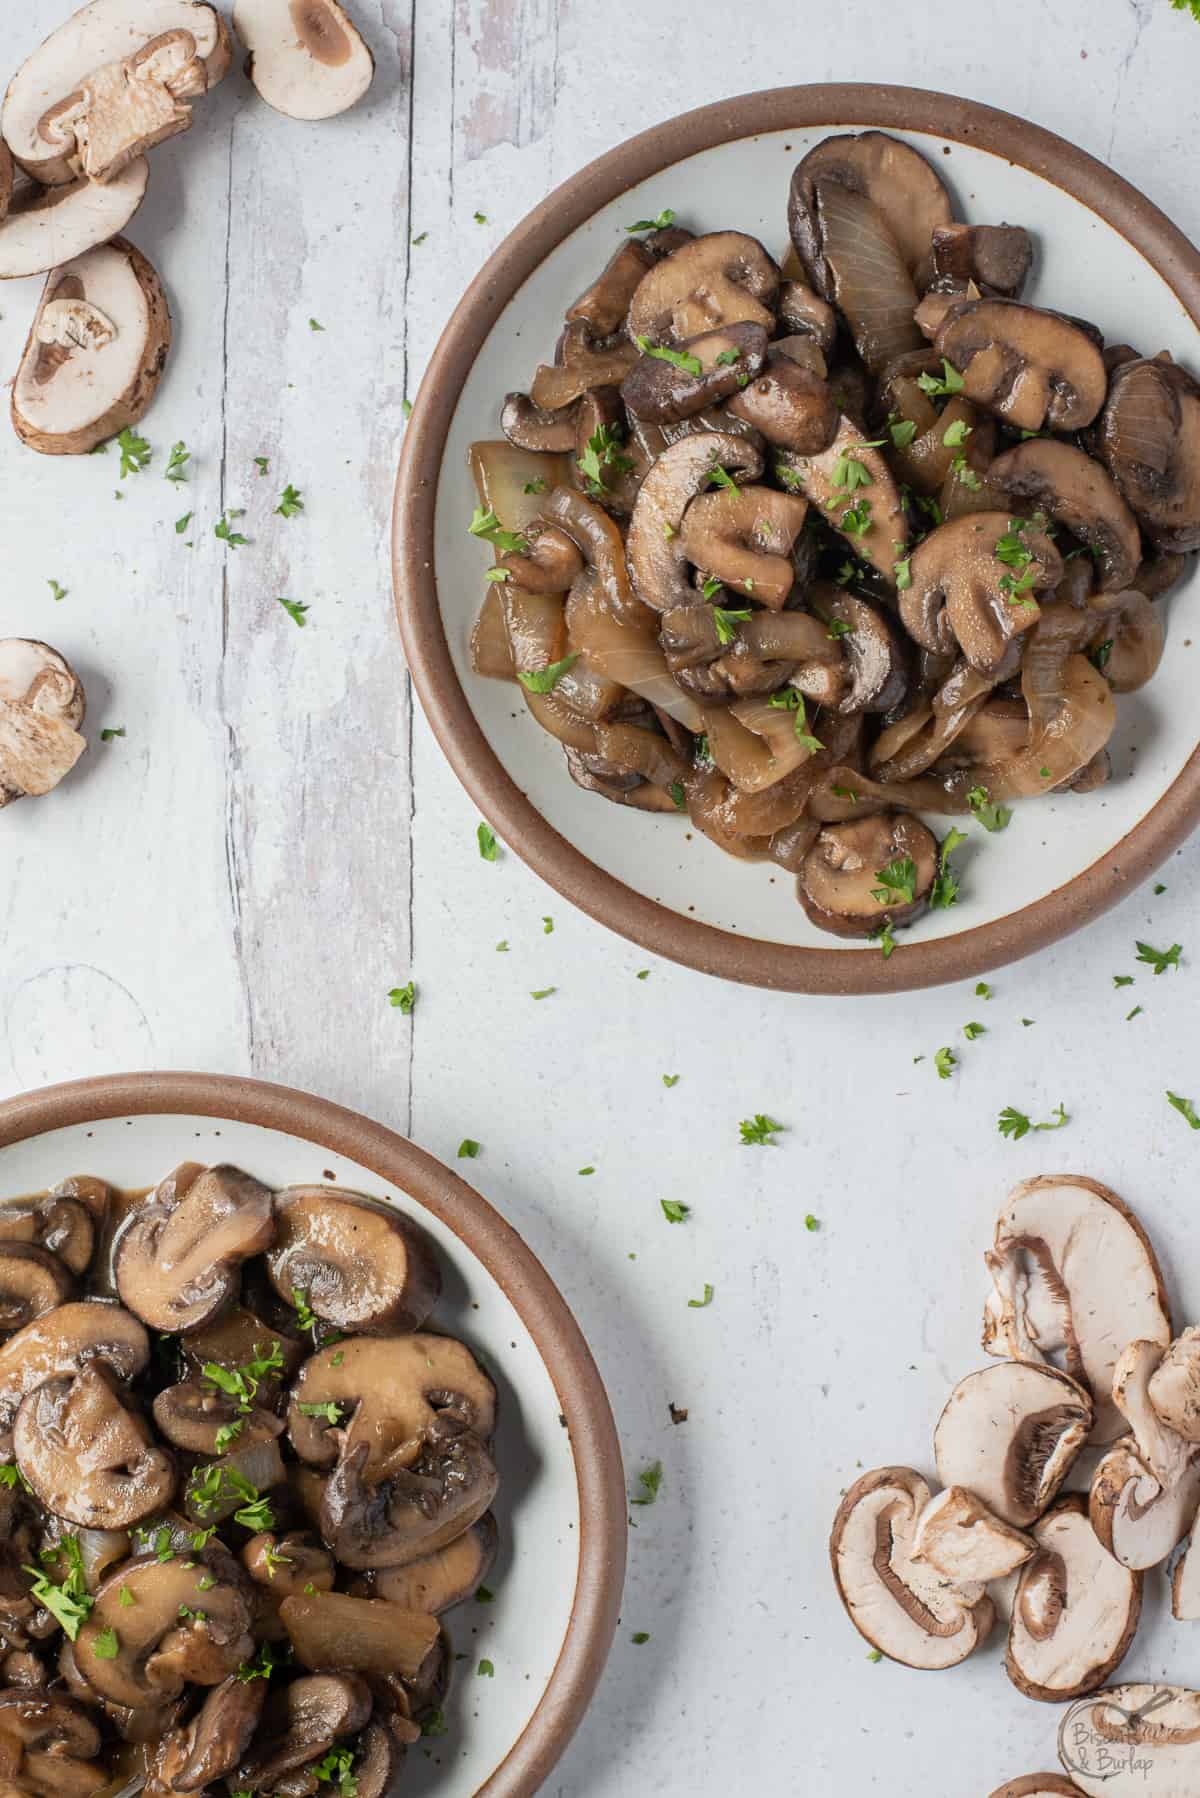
(1102, 250)
(557, 1582)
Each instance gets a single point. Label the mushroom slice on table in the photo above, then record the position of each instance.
(181, 1626)
(1033, 369)
(852, 484)
(306, 58)
(359, 1264)
(902, 1608)
(435, 1582)
(1010, 1435)
(1149, 436)
(722, 278)
(41, 709)
(1077, 492)
(47, 226)
(1174, 1386)
(1075, 1612)
(657, 565)
(95, 351)
(32, 1282)
(179, 1262)
(1146, 1490)
(62, 1343)
(213, 1743)
(1038, 1785)
(1135, 1741)
(972, 584)
(88, 1458)
(367, 1634)
(841, 884)
(958, 1536)
(1074, 1275)
(113, 80)
(1185, 1585)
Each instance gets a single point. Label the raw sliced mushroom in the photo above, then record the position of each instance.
(1149, 437)
(367, 1634)
(1174, 1386)
(868, 511)
(390, 1391)
(1185, 1585)
(904, 1610)
(1075, 491)
(656, 561)
(95, 352)
(41, 709)
(359, 1264)
(59, 1223)
(902, 187)
(1131, 1741)
(6, 179)
(182, 1625)
(1075, 1612)
(87, 1457)
(61, 1344)
(214, 1741)
(723, 278)
(1010, 1434)
(727, 359)
(436, 1582)
(1075, 1276)
(412, 1509)
(1034, 369)
(959, 1537)
(178, 1263)
(48, 226)
(1146, 1490)
(305, 58)
(745, 539)
(300, 1724)
(114, 80)
(1038, 1785)
(972, 585)
(32, 1282)
(839, 884)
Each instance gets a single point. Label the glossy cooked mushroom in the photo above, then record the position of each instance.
(32, 1282)
(177, 1265)
(367, 1634)
(213, 1743)
(1031, 368)
(389, 1392)
(656, 560)
(1149, 437)
(183, 1624)
(62, 1343)
(723, 278)
(1058, 479)
(707, 369)
(87, 1456)
(791, 405)
(300, 1723)
(1010, 1434)
(414, 1507)
(997, 258)
(853, 487)
(359, 1264)
(744, 539)
(197, 1416)
(59, 1223)
(868, 873)
(438, 1581)
(972, 585)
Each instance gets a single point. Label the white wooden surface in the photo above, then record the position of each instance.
(276, 842)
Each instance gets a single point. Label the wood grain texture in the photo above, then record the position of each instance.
(236, 883)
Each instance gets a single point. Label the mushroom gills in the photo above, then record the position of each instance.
(1076, 1610)
(358, 1263)
(1010, 1434)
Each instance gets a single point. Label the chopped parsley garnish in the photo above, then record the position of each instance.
(110, 731)
(674, 1210)
(331, 1411)
(845, 793)
(727, 358)
(544, 680)
(944, 892)
(971, 1031)
(650, 1481)
(856, 520)
(760, 1131)
(69, 1603)
(839, 628)
(537, 485)
(699, 1305)
(848, 472)
(497, 574)
(306, 1317)
(726, 621)
(176, 469)
(788, 699)
(903, 573)
(940, 387)
(945, 1061)
(1185, 1108)
(135, 452)
(982, 990)
(434, 1724)
(547, 925)
(295, 609)
(603, 451)
(681, 359)
(584, 1171)
(678, 798)
(106, 1646)
(670, 1079)
(902, 431)
(956, 434)
(992, 817)
(126, 1598)
(262, 1667)
(721, 477)
(289, 502)
(1098, 656)
(1135, 1013)
(404, 998)
(1014, 1124)
(488, 847)
(966, 474)
(224, 530)
(883, 936)
(484, 1595)
(710, 587)
(897, 881)
(468, 1149)
(228, 1434)
(1160, 959)
(486, 524)
(485, 1670)
(666, 217)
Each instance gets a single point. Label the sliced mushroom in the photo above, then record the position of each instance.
(807, 315)
(240, 1335)
(305, 58)
(551, 564)
(791, 405)
(214, 1741)
(997, 258)
(300, 1724)
(604, 305)
(198, 1417)
(839, 885)
(87, 1457)
(959, 1537)
(60, 1776)
(114, 80)
(6, 179)
(1059, 479)
(725, 359)
(79, 384)
(723, 278)
(61, 1344)
(904, 1610)
(58, 1223)
(181, 1626)
(436, 1582)
(377, 1765)
(658, 565)
(962, 593)
(178, 1263)
(535, 428)
(295, 1563)
(1038, 1785)
(1146, 1490)
(48, 226)
(367, 1634)
(897, 181)
(1149, 437)
(1076, 1609)
(359, 1264)
(48, 1723)
(867, 513)
(1130, 638)
(1174, 1386)
(1031, 368)
(1075, 1276)
(411, 1509)
(41, 708)
(584, 363)
(1185, 1584)
(745, 539)
(390, 1392)
(1133, 1741)
(874, 649)
(1010, 1435)
(598, 539)
(32, 1282)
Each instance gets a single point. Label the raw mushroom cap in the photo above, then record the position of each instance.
(395, 1386)
(1010, 1434)
(1038, 1785)
(1076, 1610)
(1077, 492)
(360, 1264)
(47, 226)
(960, 1538)
(1150, 1738)
(1174, 1387)
(306, 57)
(178, 1264)
(1137, 1519)
(904, 1610)
(68, 397)
(88, 1458)
(1075, 1277)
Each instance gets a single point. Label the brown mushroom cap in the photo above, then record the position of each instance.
(87, 1457)
(656, 560)
(1010, 1435)
(178, 1263)
(805, 314)
(899, 183)
(1038, 1785)
(215, 1740)
(1150, 439)
(839, 885)
(360, 1264)
(662, 392)
(48, 1723)
(997, 258)
(583, 363)
(193, 1414)
(536, 428)
(791, 405)
(32, 1282)
(1076, 1609)
(438, 1581)
(1032, 368)
(394, 1389)
(962, 595)
(301, 1723)
(59, 1223)
(1059, 479)
(722, 278)
(62, 1343)
(870, 515)
(412, 1510)
(181, 1626)
(745, 539)
(41, 709)
(367, 1634)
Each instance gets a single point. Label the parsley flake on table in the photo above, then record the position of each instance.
(643, 974)
(1160, 959)
(296, 609)
(971, 1031)
(897, 881)
(110, 731)
(1122, 979)
(650, 1481)
(406, 406)
(982, 990)
(290, 502)
(488, 847)
(811, 1223)
(485, 1670)
(875, 1656)
(944, 892)
(674, 1210)
(700, 1304)
(181, 524)
(1135, 1013)
(404, 998)
(547, 926)
(56, 591)
(856, 520)
(583, 1171)
(940, 387)
(544, 680)
(135, 452)
(480, 218)
(263, 464)
(176, 469)
(945, 1061)
(543, 992)
(670, 1079)
(468, 1149)
(760, 1131)
(420, 237)
(681, 359)
(992, 817)
(1015, 1124)
(314, 325)
(1160, 888)
(666, 217)
(226, 533)
(640, 1637)
(1185, 1108)
(502, 946)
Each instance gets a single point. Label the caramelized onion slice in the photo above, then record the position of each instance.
(603, 548)
(502, 472)
(491, 655)
(627, 652)
(755, 744)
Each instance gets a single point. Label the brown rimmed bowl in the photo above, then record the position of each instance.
(1104, 251)
(558, 1579)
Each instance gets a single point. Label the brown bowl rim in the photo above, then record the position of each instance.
(525, 1282)
(601, 895)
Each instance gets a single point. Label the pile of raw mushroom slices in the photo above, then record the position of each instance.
(800, 550)
(239, 1482)
(80, 118)
(1079, 1311)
